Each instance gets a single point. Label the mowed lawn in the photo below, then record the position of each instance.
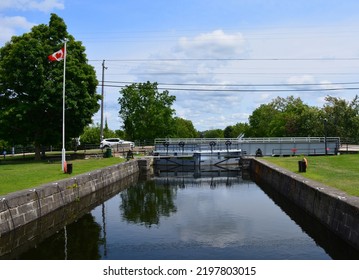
(19, 175)
(341, 172)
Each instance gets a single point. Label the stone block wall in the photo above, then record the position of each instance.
(335, 209)
(20, 240)
(20, 208)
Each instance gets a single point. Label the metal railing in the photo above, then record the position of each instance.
(269, 146)
(163, 141)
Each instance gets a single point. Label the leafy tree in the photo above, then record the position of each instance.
(146, 112)
(296, 118)
(184, 129)
(240, 129)
(120, 134)
(234, 131)
(31, 87)
(107, 132)
(3, 145)
(342, 117)
(311, 122)
(213, 133)
(91, 134)
(285, 117)
(265, 122)
(228, 132)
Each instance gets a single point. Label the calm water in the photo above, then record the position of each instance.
(182, 216)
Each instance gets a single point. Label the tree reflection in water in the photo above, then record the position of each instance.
(73, 243)
(146, 203)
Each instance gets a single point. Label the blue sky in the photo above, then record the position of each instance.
(261, 47)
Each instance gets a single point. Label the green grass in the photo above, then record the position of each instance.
(341, 172)
(23, 174)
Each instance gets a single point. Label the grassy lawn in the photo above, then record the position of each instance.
(341, 172)
(22, 174)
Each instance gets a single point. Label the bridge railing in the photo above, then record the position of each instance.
(196, 144)
(226, 141)
(165, 141)
(270, 146)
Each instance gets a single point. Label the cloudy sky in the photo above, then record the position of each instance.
(220, 58)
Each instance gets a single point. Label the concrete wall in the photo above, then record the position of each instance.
(335, 209)
(20, 208)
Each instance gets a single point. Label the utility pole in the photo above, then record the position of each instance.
(102, 98)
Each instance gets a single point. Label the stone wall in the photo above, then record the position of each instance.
(20, 208)
(20, 240)
(335, 209)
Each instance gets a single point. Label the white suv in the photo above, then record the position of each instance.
(113, 142)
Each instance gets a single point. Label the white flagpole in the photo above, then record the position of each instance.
(63, 111)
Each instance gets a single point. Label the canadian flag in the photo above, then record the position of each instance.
(57, 56)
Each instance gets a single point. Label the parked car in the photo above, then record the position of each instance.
(113, 142)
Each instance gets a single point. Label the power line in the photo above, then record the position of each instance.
(233, 73)
(244, 85)
(230, 59)
(260, 90)
(245, 90)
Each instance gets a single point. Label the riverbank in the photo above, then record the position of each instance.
(20, 174)
(340, 172)
(335, 209)
(22, 207)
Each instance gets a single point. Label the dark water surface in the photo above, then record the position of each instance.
(182, 216)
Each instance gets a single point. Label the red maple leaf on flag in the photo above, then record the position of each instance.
(57, 56)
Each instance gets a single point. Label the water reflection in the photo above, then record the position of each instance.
(72, 242)
(57, 226)
(147, 202)
(331, 243)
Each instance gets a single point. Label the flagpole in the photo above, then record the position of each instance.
(63, 153)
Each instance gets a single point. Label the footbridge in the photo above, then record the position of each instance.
(229, 150)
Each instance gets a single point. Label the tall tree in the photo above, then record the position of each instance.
(296, 118)
(228, 132)
(146, 112)
(91, 133)
(237, 130)
(265, 122)
(213, 133)
(342, 117)
(285, 117)
(184, 129)
(31, 87)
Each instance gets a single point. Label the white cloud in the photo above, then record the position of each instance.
(326, 84)
(302, 79)
(13, 25)
(9, 26)
(25, 5)
(212, 45)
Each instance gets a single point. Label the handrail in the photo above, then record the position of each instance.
(165, 141)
